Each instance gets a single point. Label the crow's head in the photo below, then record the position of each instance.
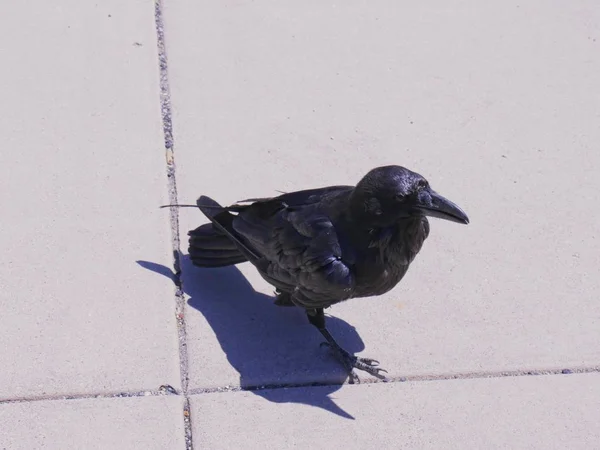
(391, 193)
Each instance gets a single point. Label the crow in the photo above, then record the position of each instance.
(319, 247)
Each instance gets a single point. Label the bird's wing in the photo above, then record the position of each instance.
(299, 248)
(294, 199)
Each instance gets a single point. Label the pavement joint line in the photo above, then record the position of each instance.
(167, 122)
(167, 390)
(123, 394)
(410, 378)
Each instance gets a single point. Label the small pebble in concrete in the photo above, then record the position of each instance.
(167, 389)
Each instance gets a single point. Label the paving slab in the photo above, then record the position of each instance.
(96, 423)
(549, 412)
(496, 109)
(82, 176)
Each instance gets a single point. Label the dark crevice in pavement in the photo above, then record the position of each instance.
(163, 390)
(168, 390)
(165, 108)
(412, 378)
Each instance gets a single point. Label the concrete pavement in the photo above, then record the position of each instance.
(109, 342)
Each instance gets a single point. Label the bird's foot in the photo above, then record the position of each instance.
(352, 362)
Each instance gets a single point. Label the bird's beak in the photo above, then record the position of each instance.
(433, 204)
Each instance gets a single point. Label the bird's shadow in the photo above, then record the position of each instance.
(268, 345)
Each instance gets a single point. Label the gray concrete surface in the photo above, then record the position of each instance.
(103, 423)
(82, 176)
(495, 103)
(513, 413)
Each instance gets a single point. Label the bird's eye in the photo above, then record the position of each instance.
(421, 184)
(400, 198)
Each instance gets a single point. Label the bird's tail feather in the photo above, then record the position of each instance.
(211, 248)
(215, 244)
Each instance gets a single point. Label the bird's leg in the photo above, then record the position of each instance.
(351, 362)
(283, 299)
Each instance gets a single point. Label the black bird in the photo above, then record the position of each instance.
(322, 246)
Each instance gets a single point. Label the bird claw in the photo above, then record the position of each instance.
(353, 378)
(370, 368)
(369, 361)
(352, 362)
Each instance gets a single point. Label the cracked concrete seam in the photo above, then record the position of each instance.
(165, 107)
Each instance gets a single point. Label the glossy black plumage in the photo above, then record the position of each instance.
(322, 246)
